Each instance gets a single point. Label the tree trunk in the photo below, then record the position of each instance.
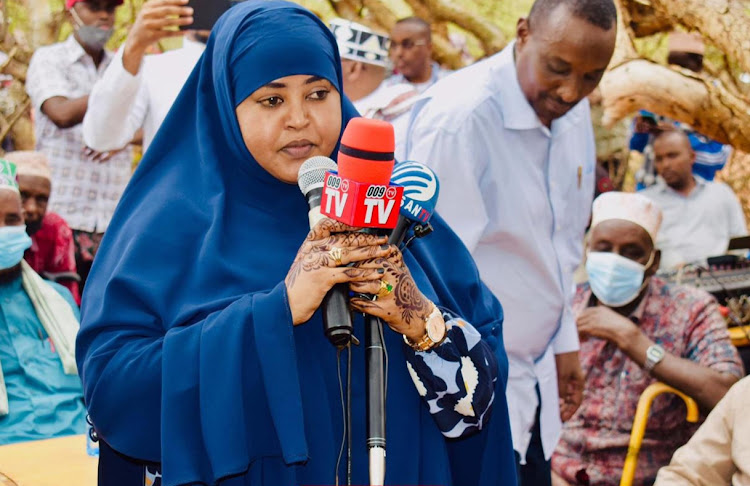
(724, 22)
(682, 95)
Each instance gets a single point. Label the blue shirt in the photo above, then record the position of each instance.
(43, 401)
(519, 196)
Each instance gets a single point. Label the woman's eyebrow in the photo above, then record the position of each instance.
(314, 79)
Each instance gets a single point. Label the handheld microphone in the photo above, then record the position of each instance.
(337, 319)
(421, 190)
(360, 194)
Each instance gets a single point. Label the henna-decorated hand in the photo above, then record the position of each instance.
(405, 309)
(315, 270)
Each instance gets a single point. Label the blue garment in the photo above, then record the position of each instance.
(43, 401)
(187, 350)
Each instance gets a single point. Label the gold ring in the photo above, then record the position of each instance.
(336, 254)
(385, 289)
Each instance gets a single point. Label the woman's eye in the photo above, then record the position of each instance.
(271, 101)
(320, 94)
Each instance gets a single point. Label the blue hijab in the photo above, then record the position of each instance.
(187, 351)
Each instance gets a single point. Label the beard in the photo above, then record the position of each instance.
(33, 226)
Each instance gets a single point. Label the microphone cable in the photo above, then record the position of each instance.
(346, 407)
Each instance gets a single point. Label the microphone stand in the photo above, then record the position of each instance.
(375, 371)
(375, 356)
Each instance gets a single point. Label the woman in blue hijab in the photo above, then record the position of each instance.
(201, 348)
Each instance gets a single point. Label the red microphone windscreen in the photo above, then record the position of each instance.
(366, 152)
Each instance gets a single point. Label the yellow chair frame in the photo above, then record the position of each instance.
(641, 419)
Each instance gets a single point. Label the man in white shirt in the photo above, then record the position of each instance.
(137, 91)
(60, 78)
(700, 216)
(512, 143)
(411, 52)
(364, 63)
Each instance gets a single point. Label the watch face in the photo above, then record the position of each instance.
(436, 329)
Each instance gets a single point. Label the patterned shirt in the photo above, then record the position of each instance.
(686, 322)
(53, 251)
(85, 192)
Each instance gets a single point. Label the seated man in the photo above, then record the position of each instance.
(52, 249)
(700, 217)
(719, 452)
(40, 392)
(635, 330)
(364, 60)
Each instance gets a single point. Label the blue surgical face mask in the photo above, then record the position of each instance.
(13, 243)
(614, 279)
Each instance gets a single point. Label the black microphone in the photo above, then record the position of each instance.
(337, 318)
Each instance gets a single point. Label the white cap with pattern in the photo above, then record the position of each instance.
(627, 206)
(359, 43)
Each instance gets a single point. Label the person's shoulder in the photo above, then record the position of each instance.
(49, 53)
(721, 188)
(463, 96)
(683, 295)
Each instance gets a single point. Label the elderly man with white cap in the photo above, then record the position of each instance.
(636, 329)
(364, 62)
(40, 392)
(52, 251)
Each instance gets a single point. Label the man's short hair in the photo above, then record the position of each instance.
(601, 13)
(667, 129)
(416, 21)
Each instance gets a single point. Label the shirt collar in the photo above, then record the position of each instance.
(518, 114)
(76, 52)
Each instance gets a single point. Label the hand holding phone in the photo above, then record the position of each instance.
(157, 20)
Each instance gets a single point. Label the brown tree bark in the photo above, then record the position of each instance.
(643, 20)
(682, 95)
(724, 22)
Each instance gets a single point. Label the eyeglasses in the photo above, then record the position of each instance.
(406, 44)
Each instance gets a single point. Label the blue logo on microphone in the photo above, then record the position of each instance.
(421, 188)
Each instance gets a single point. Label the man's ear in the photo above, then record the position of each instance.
(650, 271)
(522, 32)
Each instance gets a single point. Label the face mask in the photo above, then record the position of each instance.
(93, 37)
(13, 243)
(614, 279)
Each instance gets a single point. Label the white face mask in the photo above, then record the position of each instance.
(615, 280)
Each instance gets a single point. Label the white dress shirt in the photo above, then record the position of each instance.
(519, 196)
(698, 225)
(84, 192)
(121, 103)
(392, 104)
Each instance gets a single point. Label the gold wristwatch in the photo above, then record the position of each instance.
(435, 332)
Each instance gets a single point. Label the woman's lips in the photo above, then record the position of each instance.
(298, 150)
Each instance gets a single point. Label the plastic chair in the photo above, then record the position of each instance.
(641, 419)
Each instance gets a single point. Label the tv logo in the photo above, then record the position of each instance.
(360, 204)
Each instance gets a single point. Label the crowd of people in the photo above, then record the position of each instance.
(199, 354)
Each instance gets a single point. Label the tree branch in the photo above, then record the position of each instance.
(724, 22)
(682, 95)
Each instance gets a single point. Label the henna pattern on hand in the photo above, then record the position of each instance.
(409, 300)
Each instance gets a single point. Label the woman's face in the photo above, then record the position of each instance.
(289, 120)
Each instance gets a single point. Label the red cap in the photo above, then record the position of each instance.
(366, 153)
(70, 3)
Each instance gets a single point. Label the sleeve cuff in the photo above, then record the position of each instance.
(566, 339)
